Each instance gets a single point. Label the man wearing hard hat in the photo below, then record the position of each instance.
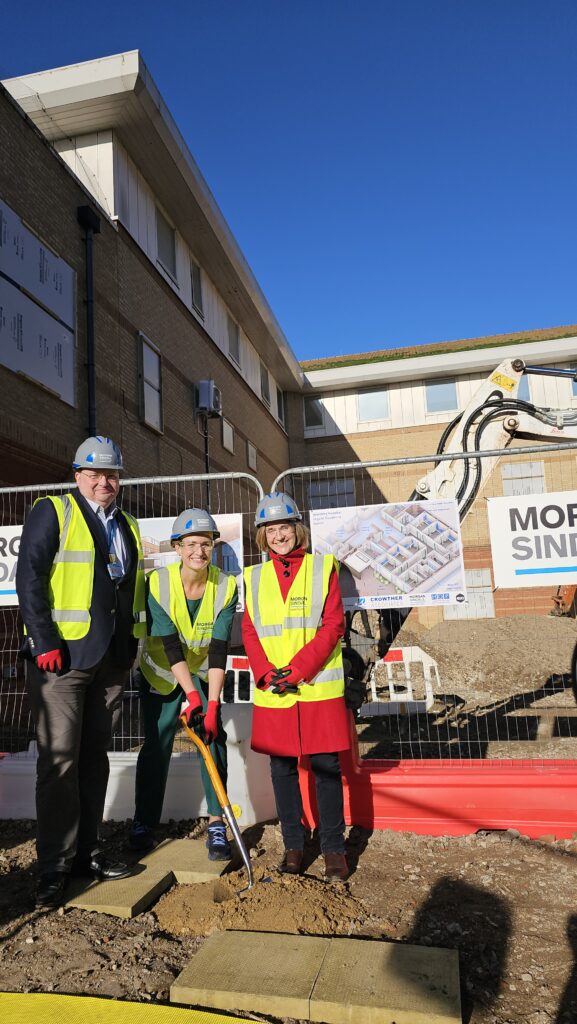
(80, 583)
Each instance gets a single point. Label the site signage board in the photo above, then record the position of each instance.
(406, 555)
(33, 343)
(534, 539)
(29, 263)
(9, 544)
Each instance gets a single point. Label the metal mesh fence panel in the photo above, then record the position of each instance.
(491, 678)
(146, 499)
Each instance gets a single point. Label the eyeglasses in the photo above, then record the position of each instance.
(94, 475)
(193, 546)
(279, 531)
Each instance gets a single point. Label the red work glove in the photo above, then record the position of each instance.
(50, 661)
(267, 680)
(288, 682)
(194, 708)
(210, 722)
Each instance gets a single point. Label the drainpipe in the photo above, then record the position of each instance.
(91, 224)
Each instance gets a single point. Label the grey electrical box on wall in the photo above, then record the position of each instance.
(208, 398)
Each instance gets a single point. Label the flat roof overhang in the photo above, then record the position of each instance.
(119, 93)
(447, 364)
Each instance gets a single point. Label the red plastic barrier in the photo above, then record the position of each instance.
(453, 797)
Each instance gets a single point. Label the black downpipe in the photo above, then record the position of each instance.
(91, 224)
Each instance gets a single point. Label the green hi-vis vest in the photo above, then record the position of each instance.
(283, 627)
(72, 573)
(166, 588)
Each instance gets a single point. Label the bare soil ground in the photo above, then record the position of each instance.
(506, 903)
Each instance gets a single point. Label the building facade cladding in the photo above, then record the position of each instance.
(130, 296)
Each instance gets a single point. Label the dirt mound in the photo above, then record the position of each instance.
(292, 905)
(492, 657)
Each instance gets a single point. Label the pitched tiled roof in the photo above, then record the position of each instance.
(440, 347)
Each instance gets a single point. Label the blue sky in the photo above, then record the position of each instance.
(395, 173)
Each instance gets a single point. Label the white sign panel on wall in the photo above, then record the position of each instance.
(534, 539)
(32, 265)
(9, 544)
(34, 343)
(227, 554)
(394, 555)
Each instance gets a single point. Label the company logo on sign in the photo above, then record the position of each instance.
(534, 539)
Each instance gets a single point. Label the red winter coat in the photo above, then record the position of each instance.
(308, 727)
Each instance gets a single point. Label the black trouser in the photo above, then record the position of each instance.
(289, 806)
(73, 714)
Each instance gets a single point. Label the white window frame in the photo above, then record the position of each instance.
(281, 406)
(264, 384)
(372, 391)
(233, 331)
(251, 455)
(435, 382)
(196, 293)
(318, 400)
(227, 436)
(145, 381)
(523, 477)
(165, 224)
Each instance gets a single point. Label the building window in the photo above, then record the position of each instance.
(233, 339)
(281, 406)
(251, 455)
(373, 405)
(264, 384)
(196, 286)
(165, 244)
(150, 384)
(574, 388)
(441, 395)
(228, 436)
(335, 493)
(523, 478)
(313, 412)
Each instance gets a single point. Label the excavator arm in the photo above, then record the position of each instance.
(493, 418)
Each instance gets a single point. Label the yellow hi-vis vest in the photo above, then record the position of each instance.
(284, 627)
(72, 573)
(166, 588)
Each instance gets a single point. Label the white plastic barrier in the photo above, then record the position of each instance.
(249, 786)
(403, 696)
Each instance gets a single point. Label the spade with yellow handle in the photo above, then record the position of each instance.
(223, 800)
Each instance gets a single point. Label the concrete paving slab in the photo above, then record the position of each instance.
(258, 972)
(375, 982)
(187, 859)
(125, 897)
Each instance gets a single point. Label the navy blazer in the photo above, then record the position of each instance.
(111, 607)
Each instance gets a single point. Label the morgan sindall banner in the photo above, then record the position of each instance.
(534, 539)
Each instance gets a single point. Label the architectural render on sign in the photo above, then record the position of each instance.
(403, 547)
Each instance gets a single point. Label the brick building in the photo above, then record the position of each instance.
(173, 300)
(91, 157)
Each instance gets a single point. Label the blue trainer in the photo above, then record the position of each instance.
(217, 843)
(141, 837)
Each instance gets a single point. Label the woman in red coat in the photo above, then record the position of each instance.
(292, 628)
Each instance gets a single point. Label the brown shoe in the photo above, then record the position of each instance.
(291, 862)
(336, 867)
